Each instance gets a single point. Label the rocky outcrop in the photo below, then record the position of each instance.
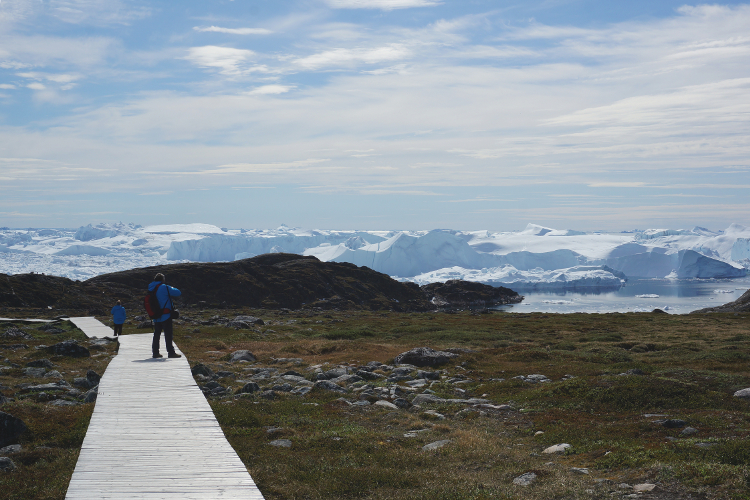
(458, 293)
(11, 429)
(740, 305)
(424, 356)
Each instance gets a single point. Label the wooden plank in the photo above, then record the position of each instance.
(153, 434)
(92, 327)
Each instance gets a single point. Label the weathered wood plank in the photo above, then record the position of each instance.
(153, 434)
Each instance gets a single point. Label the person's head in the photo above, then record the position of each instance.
(119, 303)
(159, 277)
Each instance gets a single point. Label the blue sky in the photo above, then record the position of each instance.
(375, 114)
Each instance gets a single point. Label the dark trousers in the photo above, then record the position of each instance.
(118, 329)
(158, 327)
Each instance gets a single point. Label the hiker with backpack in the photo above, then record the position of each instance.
(118, 317)
(160, 295)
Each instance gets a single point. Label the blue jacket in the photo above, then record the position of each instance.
(164, 298)
(118, 315)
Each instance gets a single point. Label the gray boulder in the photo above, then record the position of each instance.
(250, 388)
(424, 356)
(9, 450)
(34, 372)
(93, 378)
(402, 403)
(90, 396)
(743, 393)
(436, 445)
(251, 320)
(329, 386)
(525, 479)
(242, 355)
(281, 443)
(346, 379)
(40, 363)
(420, 399)
(367, 375)
(11, 429)
(82, 382)
(7, 464)
(71, 349)
(201, 369)
(428, 375)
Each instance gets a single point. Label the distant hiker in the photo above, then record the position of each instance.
(118, 317)
(164, 294)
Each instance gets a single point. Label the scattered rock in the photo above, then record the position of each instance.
(268, 395)
(525, 479)
(40, 363)
(402, 403)
(672, 423)
(706, 445)
(533, 379)
(251, 320)
(424, 356)
(689, 431)
(558, 448)
(11, 429)
(34, 372)
(91, 395)
(433, 415)
(53, 374)
(420, 399)
(579, 470)
(13, 332)
(367, 375)
(7, 464)
(242, 355)
(743, 393)
(201, 369)
(294, 361)
(386, 404)
(281, 443)
(9, 450)
(644, 487)
(144, 325)
(70, 348)
(436, 445)
(63, 402)
(250, 388)
(302, 390)
(329, 386)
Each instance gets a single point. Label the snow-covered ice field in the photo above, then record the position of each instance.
(595, 271)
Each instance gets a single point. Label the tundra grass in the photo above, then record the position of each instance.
(690, 365)
(51, 445)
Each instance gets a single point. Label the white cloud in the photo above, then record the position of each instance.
(380, 4)
(7, 86)
(51, 77)
(271, 89)
(351, 57)
(226, 59)
(234, 31)
(36, 86)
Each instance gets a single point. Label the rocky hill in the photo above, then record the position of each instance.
(740, 305)
(270, 281)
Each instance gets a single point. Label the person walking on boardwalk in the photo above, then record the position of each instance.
(118, 317)
(164, 294)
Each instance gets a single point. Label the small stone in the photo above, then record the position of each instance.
(302, 390)
(71, 349)
(63, 402)
(9, 450)
(402, 403)
(673, 423)
(644, 487)
(7, 464)
(386, 404)
(538, 433)
(34, 372)
(250, 388)
(436, 445)
(579, 470)
(281, 443)
(689, 431)
(525, 479)
(426, 398)
(11, 429)
(624, 486)
(40, 363)
(329, 386)
(268, 395)
(90, 396)
(433, 415)
(558, 448)
(706, 445)
(743, 393)
(201, 369)
(242, 355)
(53, 374)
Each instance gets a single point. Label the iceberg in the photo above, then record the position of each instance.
(578, 277)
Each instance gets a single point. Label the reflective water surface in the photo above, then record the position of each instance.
(673, 296)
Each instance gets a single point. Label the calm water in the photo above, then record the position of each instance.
(673, 296)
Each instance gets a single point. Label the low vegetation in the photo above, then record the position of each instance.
(612, 381)
(56, 420)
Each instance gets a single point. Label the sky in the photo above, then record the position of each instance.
(375, 114)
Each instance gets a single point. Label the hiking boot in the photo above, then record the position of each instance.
(157, 356)
(174, 355)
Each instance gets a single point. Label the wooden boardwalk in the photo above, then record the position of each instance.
(154, 436)
(92, 327)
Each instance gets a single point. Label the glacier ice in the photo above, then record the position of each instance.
(537, 257)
